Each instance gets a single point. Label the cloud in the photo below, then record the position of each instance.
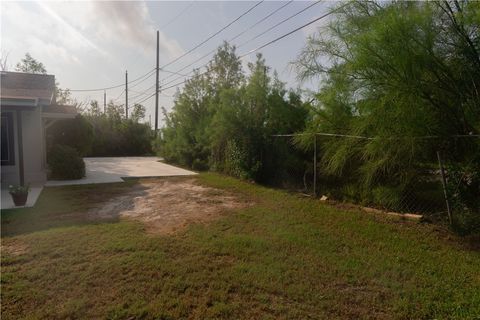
(80, 31)
(71, 33)
(44, 39)
(129, 23)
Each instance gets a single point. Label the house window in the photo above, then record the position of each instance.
(8, 150)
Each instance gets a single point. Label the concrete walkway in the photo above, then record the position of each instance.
(113, 169)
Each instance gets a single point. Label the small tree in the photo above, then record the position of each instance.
(63, 96)
(115, 113)
(4, 60)
(30, 65)
(138, 112)
(94, 109)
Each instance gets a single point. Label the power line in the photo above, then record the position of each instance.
(135, 91)
(144, 79)
(213, 35)
(172, 72)
(261, 20)
(174, 60)
(167, 24)
(262, 33)
(112, 87)
(235, 37)
(143, 100)
(146, 91)
(150, 73)
(153, 72)
(177, 84)
(279, 23)
(254, 50)
(178, 15)
(266, 44)
(119, 95)
(295, 30)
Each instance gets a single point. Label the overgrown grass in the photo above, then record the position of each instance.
(283, 257)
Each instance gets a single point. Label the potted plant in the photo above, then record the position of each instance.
(19, 194)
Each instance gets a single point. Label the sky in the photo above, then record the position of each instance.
(89, 45)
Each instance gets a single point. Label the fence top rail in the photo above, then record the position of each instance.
(374, 138)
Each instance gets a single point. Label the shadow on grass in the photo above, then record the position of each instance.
(68, 206)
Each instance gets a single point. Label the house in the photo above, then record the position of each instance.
(28, 107)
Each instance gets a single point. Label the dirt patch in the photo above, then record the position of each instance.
(14, 248)
(168, 205)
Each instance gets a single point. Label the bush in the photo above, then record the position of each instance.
(65, 163)
(463, 187)
(387, 197)
(124, 137)
(76, 133)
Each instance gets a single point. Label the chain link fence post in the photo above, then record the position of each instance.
(444, 184)
(314, 165)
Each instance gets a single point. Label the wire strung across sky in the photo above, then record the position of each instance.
(232, 39)
(145, 99)
(188, 6)
(196, 47)
(295, 30)
(151, 72)
(174, 60)
(112, 87)
(211, 36)
(121, 93)
(279, 23)
(266, 44)
(144, 77)
(144, 92)
(249, 40)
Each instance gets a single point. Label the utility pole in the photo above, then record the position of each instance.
(444, 184)
(156, 88)
(126, 94)
(104, 102)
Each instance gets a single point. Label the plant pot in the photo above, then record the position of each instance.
(19, 199)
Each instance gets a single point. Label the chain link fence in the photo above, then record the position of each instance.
(430, 192)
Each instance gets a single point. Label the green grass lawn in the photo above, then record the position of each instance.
(285, 257)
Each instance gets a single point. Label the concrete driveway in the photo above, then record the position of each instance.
(113, 169)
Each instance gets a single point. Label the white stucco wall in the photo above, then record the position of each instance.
(33, 153)
(33, 145)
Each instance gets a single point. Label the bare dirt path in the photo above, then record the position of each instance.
(168, 205)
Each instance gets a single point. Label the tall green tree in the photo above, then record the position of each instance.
(138, 112)
(223, 119)
(64, 96)
(395, 71)
(185, 136)
(94, 109)
(30, 65)
(399, 69)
